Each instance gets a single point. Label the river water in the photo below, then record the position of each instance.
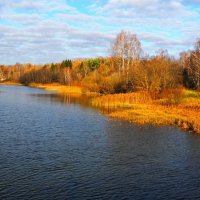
(56, 147)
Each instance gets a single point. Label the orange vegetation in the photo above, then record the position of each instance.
(56, 87)
(10, 83)
(138, 108)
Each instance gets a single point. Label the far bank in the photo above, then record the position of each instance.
(138, 107)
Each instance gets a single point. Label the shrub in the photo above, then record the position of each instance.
(172, 96)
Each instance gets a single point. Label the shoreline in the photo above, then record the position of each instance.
(165, 119)
(184, 116)
(11, 83)
(54, 87)
(58, 88)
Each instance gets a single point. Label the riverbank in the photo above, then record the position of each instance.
(10, 83)
(55, 87)
(138, 107)
(135, 108)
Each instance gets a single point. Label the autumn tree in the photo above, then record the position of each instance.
(66, 67)
(190, 62)
(184, 62)
(156, 73)
(194, 65)
(82, 70)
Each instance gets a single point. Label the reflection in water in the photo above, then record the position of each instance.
(82, 100)
(56, 147)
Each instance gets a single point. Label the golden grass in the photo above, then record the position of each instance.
(127, 107)
(122, 100)
(139, 108)
(58, 88)
(10, 83)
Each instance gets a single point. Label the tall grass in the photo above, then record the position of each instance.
(122, 100)
(58, 88)
(178, 107)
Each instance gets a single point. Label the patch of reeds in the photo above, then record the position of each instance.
(122, 100)
(58, 88)
(182, 111)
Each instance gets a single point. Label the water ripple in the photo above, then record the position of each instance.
(53, 150)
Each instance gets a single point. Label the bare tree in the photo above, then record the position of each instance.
(126, 48)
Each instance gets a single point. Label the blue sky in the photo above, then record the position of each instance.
(44, 31)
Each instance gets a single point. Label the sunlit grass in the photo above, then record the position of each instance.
(10, 83)
(58, 88)
(136, 108)
(122, 100)
(191, 94)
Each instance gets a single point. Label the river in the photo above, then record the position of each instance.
(56, 147)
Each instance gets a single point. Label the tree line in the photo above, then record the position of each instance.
(125, 70)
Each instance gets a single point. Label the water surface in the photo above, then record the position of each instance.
(57, 147)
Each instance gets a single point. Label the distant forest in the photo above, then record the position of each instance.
(125, 70)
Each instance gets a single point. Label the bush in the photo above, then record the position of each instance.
(90, 83)
(107, 84)
(172, 96)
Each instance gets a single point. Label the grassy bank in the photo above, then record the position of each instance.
(10, 83)
(56, 87)
(140, 109)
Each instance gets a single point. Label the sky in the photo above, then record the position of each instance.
(46, 31)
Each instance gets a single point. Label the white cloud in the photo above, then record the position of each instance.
(140, 3)
(36, 5)
(147, 8)
(46, 31)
